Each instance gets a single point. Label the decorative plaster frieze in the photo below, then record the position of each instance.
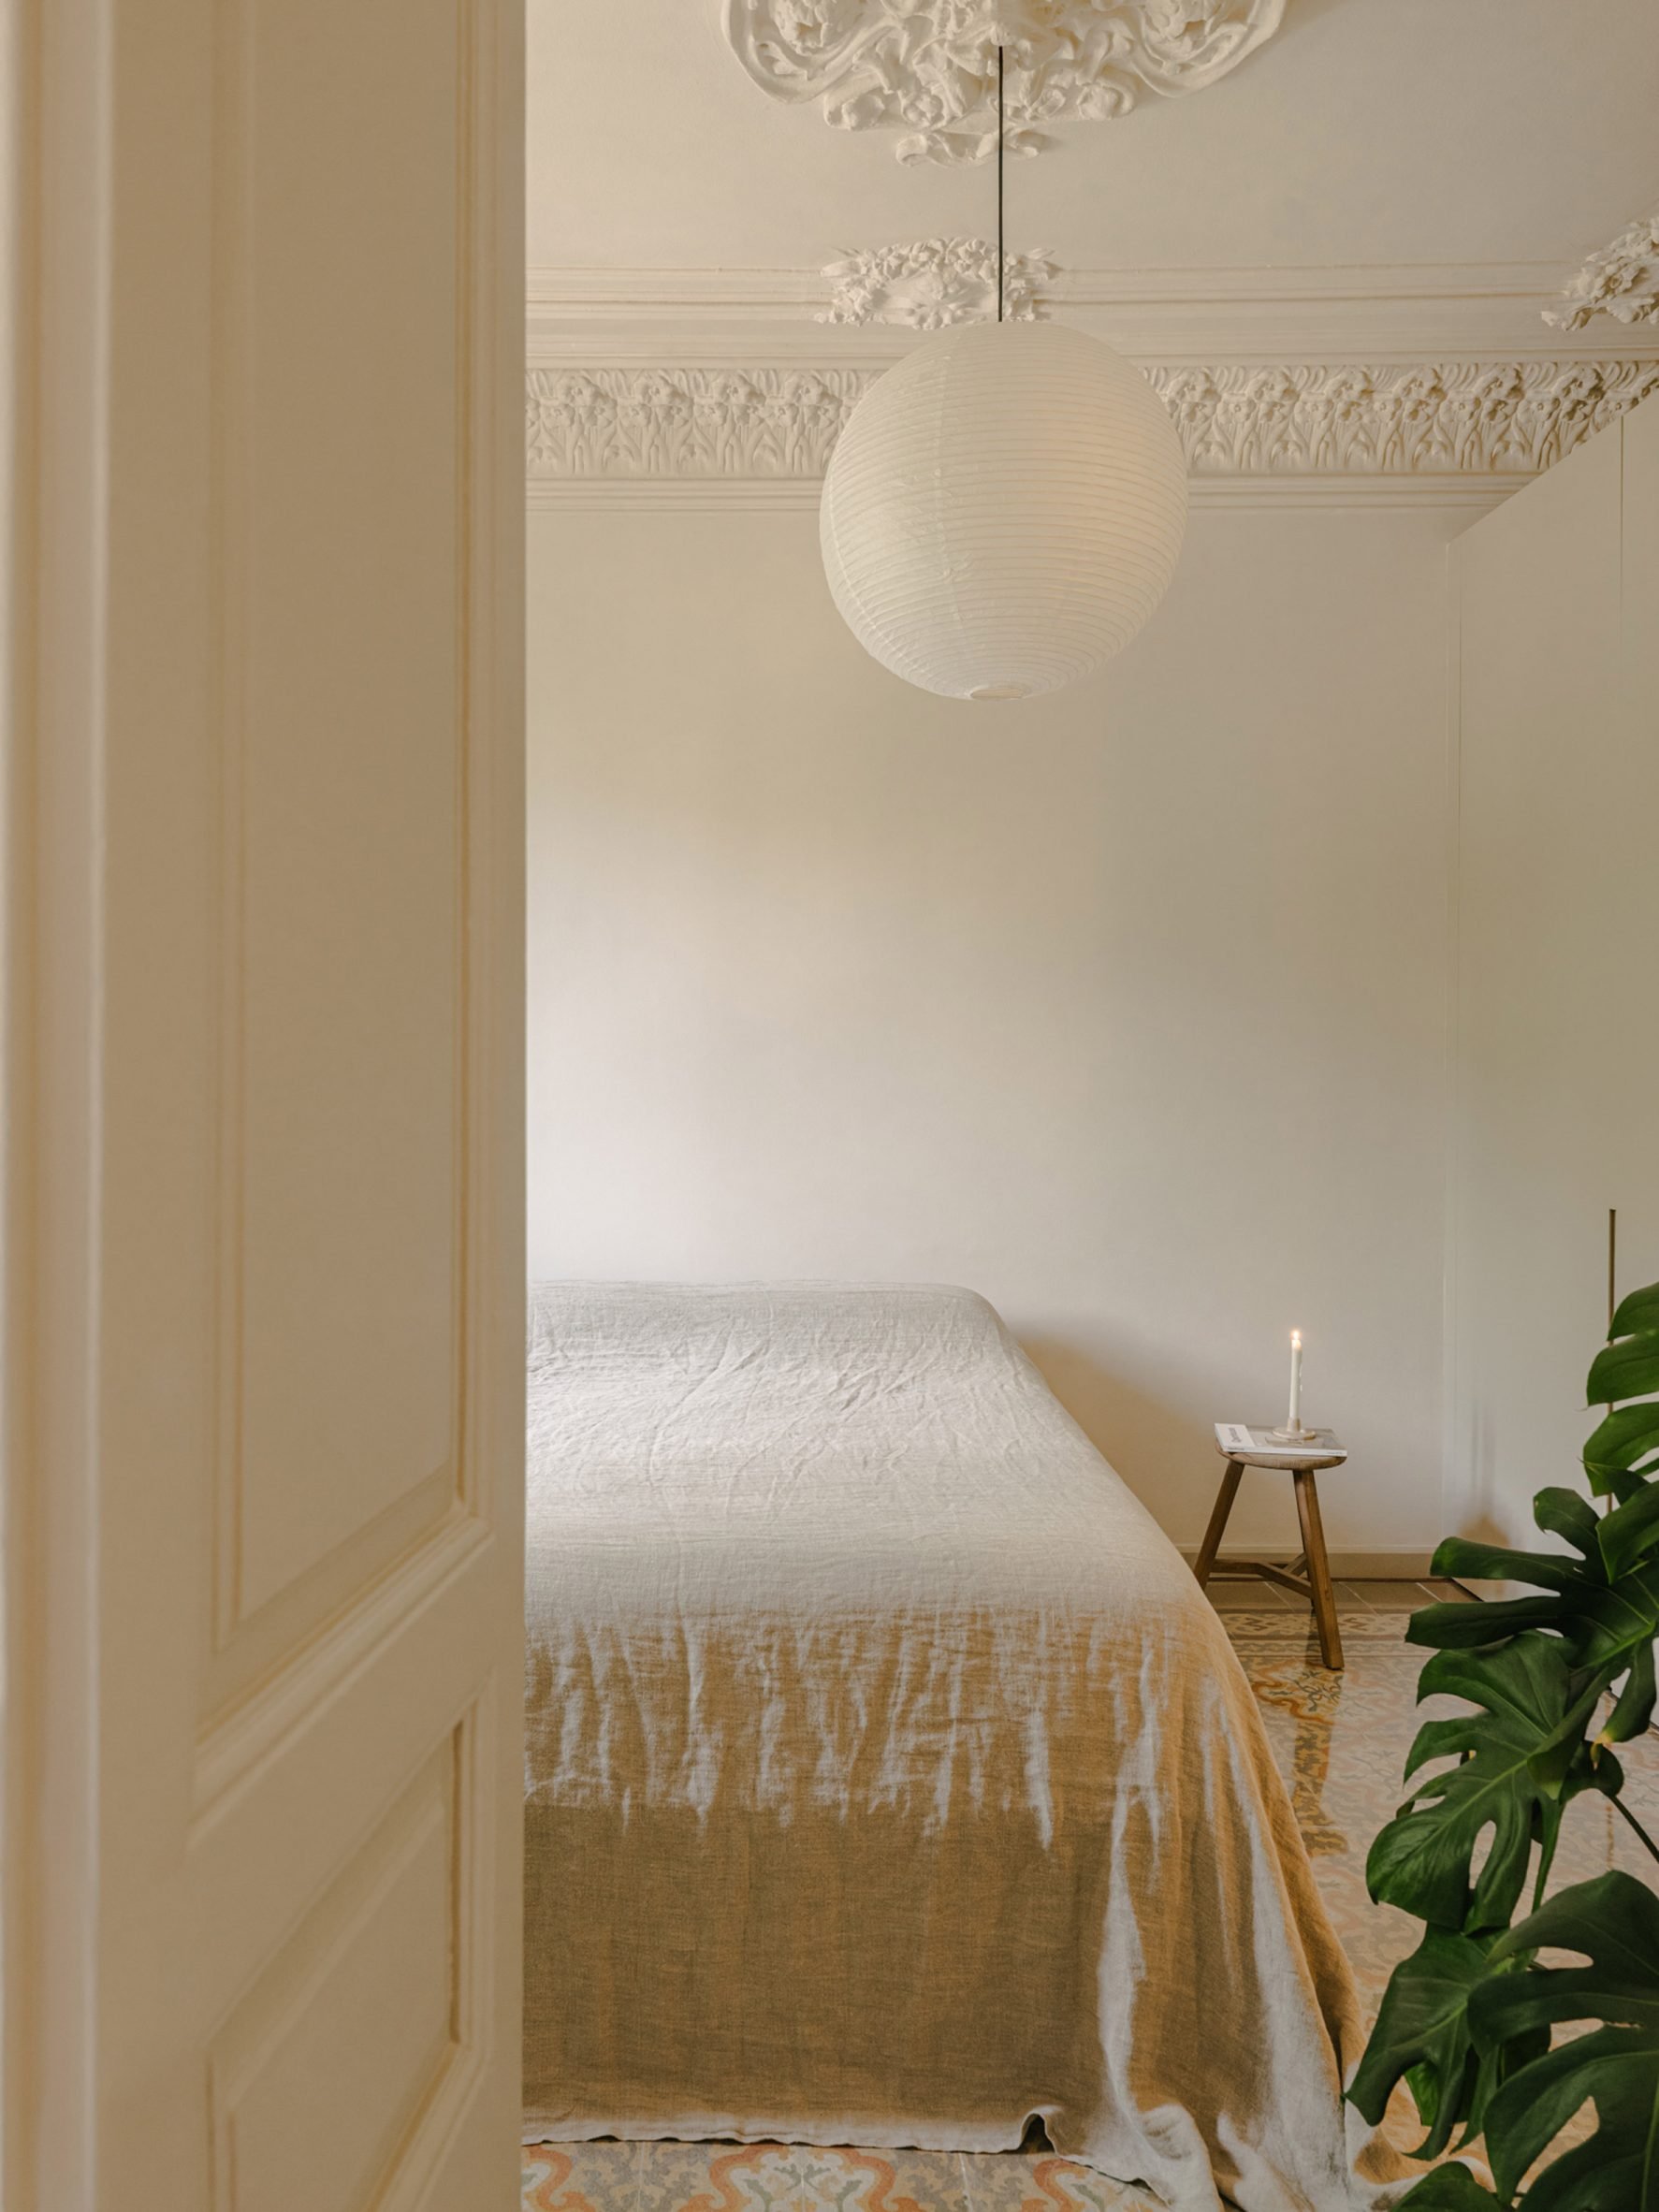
(632, 423)
(1490, 420)
(930, 66)
(1479, 418)
(932, 283)
(1621, 280)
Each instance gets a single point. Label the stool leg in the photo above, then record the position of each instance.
(1217, 1528)
(1318, 1568)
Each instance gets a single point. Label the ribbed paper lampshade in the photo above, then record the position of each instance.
(1003, 510)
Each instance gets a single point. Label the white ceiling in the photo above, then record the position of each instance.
(1368, 132)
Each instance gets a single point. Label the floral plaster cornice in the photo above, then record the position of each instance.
(736, 426)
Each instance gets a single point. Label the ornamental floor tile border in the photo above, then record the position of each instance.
(1340, 1741)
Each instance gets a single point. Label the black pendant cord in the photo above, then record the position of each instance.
(999, 286)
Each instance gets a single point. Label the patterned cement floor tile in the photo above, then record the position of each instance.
(779, 2177)
(581, 2176)
(1018, 2181)
(675, 2174)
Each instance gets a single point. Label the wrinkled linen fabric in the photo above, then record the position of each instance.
(889, 1780)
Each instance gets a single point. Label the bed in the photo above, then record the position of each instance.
(889, 1780)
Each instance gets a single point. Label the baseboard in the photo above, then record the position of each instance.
(1346, 1566)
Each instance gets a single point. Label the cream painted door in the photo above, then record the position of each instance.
(264, 1261)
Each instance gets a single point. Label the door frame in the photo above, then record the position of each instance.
(54, 148)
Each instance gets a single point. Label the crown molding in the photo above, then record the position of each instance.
(1315, 433)
(1362, 313)
(799, 495)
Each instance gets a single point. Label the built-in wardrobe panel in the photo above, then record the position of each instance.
(1556, 1006)
(1640, 533)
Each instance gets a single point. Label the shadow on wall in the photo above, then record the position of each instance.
(1135, 1433)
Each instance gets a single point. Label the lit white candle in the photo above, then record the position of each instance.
(1295, 1419)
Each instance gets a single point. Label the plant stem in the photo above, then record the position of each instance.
(1647, 1844)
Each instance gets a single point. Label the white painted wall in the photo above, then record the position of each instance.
(1557, 1065)
(1127, 1006)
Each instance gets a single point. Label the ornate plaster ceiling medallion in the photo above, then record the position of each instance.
(930, 66)
(934, 283)
(1621, 280)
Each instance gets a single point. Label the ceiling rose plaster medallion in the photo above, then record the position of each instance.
(933, 284)
(928, 67)
(1621, 281)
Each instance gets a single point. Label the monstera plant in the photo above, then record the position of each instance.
(1497, 2045)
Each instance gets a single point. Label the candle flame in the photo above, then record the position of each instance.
(1296, 1339)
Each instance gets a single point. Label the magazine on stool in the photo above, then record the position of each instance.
(1237, 1440)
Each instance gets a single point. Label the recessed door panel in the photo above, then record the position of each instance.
(320, 2076)
(345, 724)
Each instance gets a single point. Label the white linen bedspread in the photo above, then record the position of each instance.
(889, 1780)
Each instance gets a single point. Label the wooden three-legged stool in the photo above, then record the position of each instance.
(1309, 1574)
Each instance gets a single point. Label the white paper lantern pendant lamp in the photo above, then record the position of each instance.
(1005, 507)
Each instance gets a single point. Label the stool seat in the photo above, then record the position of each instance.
(1286, 1463)
(1308, 1575)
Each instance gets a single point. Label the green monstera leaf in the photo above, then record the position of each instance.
(1613, 1923)
(1470, 2019)
(1617, 2170)
(1421, 1861)
(1605, 1602)
(1638, 1312)
(1620, 1450)
(1626, 1442)
(1425, 2035)
(1604, 1606)
(1449, 2188)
